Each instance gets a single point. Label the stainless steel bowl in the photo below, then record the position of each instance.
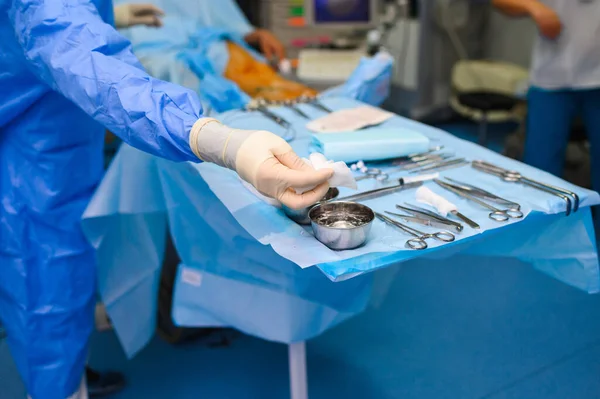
(341, 225)
(300, 216)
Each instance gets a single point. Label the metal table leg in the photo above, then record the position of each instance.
(298, 378)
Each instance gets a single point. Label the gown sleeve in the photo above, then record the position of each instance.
(70, 48)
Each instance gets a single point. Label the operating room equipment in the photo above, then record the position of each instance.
(403, 182)
(378, 192)
(469, 188)
(419, 241)
(499, 215)
(300, 216)
(315, 102)
(444, 165)
(434, 159)
(516, 177)
(431, 216)
(263, 109)
(418, 220)
(341, 225)
(406, 162)
(425, 196)
(292, 105)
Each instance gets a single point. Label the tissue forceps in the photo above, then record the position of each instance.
(262, 108)
(498, 215)
(314, 101)
(485, 194)
(419, 242)
(440, 221)
(516, 177)
(291, 105)
(447, 164)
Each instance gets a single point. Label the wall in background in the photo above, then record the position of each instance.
(510, 39)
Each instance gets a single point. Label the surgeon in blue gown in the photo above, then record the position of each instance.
(66, 75)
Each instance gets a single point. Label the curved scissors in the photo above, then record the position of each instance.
(498, 215)
(419, 241)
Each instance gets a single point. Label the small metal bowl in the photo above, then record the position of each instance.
(341, 225)
(300, 216)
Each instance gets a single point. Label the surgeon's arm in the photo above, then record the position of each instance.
(545, 17)
(71, 49)
(516, 8)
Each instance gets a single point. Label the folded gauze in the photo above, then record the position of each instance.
(342, 175)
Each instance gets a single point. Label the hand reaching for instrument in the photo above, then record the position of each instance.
(547, 20)
(262, 159)
(269, 45)
(128, 15)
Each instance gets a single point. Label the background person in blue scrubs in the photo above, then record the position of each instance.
(565, 79)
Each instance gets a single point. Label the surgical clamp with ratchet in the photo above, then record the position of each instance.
(419, 241)
(516, 177)
(498, 215)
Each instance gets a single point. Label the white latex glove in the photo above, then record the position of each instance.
(128, 15)
(262, 159)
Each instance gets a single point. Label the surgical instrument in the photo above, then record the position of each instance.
(419, 241)
(457, 162)
(424, 213)
(260, 107)
(379, 192)
(442, 205)
(424, 161)
(403, 182)
(410, 161)
(418, 220)
(469, 188)
(516, 177)
(291, 105)
(498, 215)
(314, 101)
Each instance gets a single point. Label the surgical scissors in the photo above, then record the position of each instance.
(498, 215)
(419, 241)
(485, 194)
(516, 177)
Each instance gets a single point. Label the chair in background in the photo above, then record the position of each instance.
(488, 92)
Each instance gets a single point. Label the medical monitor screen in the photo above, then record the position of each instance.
(342, 11)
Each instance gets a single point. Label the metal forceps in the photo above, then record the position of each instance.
(498, 215)
(431, 218)
(419, 241)
(516, 177)
(314, 101)
(292, 105)
(262, 108)
(485, 194)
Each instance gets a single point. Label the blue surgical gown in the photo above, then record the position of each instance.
(65, 76)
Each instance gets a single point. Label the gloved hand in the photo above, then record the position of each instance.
(262, 159)
(128, 15)
(268, 44)
(546, 19)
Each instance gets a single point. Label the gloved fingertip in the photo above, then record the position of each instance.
(326, 172)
